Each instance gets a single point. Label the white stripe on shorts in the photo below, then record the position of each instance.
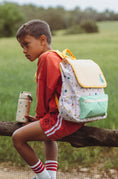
(55, 127)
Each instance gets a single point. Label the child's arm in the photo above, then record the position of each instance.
(48, 77)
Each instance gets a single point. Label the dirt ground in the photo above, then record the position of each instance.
(81, 173)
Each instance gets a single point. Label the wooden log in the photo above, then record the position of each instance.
(86, 136)
(7, 128)
(93, 136)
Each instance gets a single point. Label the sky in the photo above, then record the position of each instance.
(99, 5)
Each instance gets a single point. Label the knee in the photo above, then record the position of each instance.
(16, 139)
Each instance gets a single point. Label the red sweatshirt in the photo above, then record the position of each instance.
(48, 83)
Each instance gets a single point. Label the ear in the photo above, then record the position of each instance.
(43, 39)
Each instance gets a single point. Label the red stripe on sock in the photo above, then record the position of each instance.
(51, 169)
(51, 166)
(39, 168)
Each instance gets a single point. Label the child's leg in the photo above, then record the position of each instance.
(51, 152)
(30, 132)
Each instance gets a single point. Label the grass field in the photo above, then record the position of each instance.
(16, 74)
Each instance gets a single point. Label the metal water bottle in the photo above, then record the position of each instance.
(23, 107)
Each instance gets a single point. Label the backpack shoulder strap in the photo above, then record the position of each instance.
(64, 55)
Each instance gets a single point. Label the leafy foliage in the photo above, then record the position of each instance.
(89, 26)
(83, 27)
(75, 29)
(13, 15)
(10, 18)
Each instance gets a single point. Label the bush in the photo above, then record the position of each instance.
(89, 26)
(75, 29)
(83, 27)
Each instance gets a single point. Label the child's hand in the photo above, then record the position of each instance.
(31, 118)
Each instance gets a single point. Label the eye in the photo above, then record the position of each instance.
(26, 44)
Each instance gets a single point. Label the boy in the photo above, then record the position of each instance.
(48, 126)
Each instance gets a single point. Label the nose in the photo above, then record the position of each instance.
(24, 50)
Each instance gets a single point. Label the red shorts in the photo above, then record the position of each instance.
(55, 127)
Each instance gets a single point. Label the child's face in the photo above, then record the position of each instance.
(32, 47)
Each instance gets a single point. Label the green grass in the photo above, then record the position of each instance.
(16, 74)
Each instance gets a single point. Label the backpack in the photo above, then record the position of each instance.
(82, 97)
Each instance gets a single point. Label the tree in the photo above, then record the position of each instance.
(54, 17)
(10, 19)
(31, 12)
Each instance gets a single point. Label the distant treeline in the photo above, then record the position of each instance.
(13, 15)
